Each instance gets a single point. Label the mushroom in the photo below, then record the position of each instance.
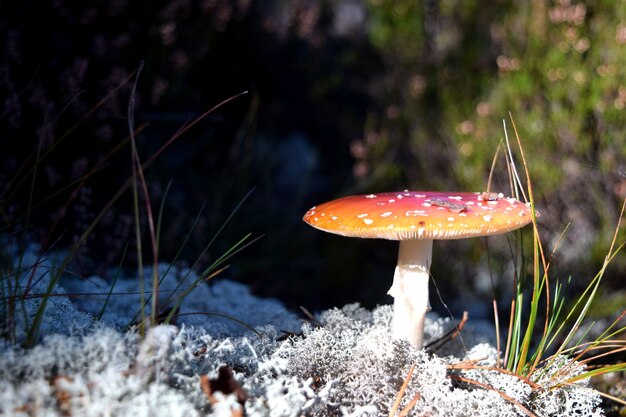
(416, 218)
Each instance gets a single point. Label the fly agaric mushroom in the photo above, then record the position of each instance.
(416, 218)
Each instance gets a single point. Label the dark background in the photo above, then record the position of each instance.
(343, 97)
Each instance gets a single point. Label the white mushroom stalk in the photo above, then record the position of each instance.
(410, 290)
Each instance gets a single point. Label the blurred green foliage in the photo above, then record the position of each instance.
(455, 69)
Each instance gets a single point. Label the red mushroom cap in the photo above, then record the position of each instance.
(409, 215)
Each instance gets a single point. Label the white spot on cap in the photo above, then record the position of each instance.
(368, 221)
(419, 195)
(456, 197)
(415, 213)
(450, 219)
(334, 217)
(426, 204)
(370, 196)
(360, 216)
(392, 200)
(400, 196)
(487, 218)
(385, 214)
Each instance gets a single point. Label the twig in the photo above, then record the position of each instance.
(396, 403)
(405, 411)
(310, 316)
(467, 366)
(490, 388)
(436, 344)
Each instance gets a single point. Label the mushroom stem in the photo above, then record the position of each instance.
(410, 290)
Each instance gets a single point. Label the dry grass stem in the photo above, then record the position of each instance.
(396, 404)
(456, 331)
(500, 393)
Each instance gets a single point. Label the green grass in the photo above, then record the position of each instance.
(552, 326)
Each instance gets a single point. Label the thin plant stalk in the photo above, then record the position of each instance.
(493, 167)
(138, 239)
(138, 176)
(108, 297)
(496, 316)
